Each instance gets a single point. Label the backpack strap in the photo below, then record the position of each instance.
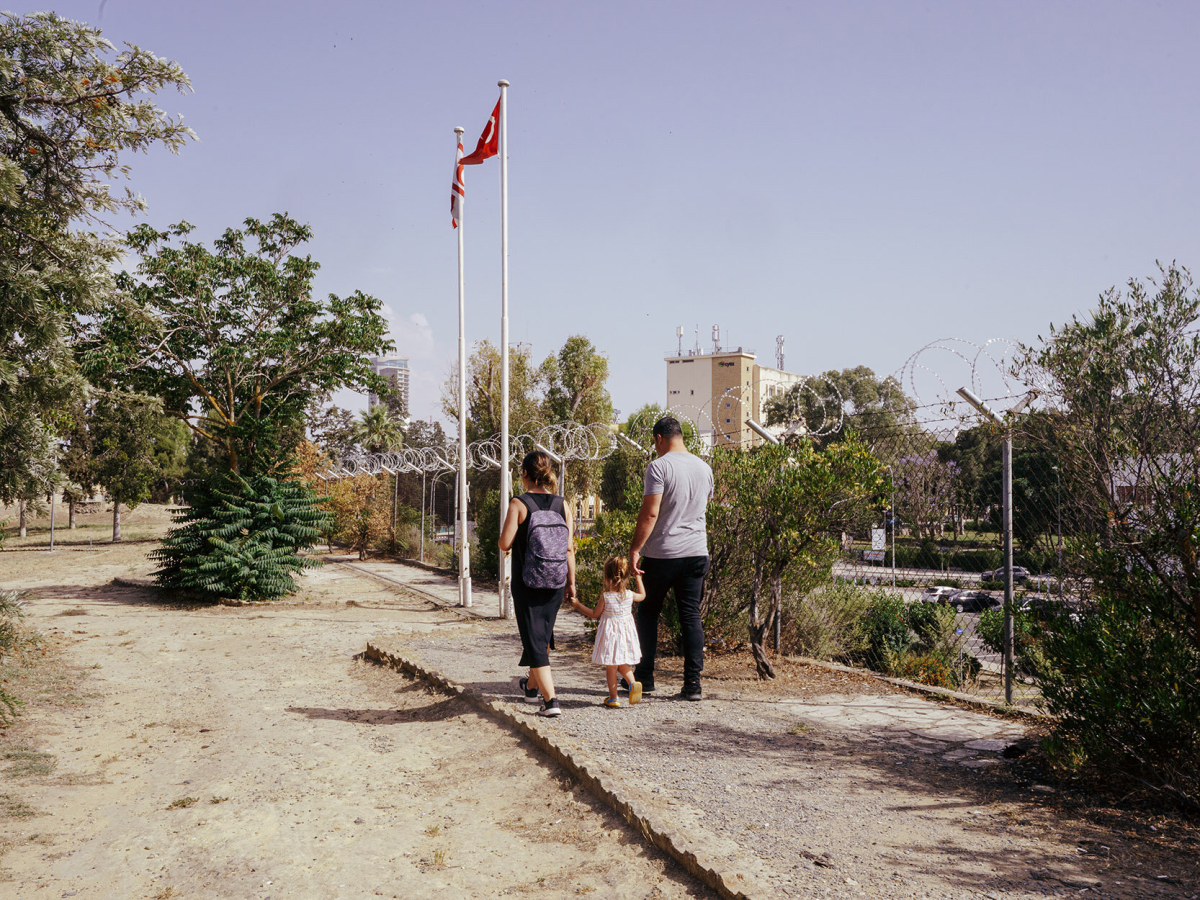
(556, 505)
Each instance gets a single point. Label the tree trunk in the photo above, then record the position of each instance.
(71, 514)
(758, 628)
(116, 522)
(776, 621)
(21, 523)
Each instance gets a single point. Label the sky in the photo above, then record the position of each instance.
(862, 178)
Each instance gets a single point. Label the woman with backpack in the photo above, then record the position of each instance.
(538, 530)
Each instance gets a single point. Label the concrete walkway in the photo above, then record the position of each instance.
(857, 792)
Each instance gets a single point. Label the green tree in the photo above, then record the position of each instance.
(123, 430)
(394, 399)
(525, 415)
(576, 384)
(788, 505)
(71, 108)
(376, 431)
(832, 404)
(75, 460)
(576, 390)
(172, 444)
(331, 429)
(1123, 387)
(233, 339)
(242, 540)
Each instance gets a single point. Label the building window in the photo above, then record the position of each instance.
(727, 420)
(693, 393)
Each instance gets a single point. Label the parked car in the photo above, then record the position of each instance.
(1045, 608)
(1020, 573)
(936, 593)
(972, 601)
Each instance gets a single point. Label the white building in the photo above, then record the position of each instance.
(395, 367)
(721, 390)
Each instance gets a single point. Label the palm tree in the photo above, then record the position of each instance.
(377, 431)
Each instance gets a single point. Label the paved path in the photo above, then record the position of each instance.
(865, 791)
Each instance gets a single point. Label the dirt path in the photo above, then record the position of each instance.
(222, 752)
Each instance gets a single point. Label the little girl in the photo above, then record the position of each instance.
(617, 647)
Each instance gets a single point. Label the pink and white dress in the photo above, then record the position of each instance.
(616, 634)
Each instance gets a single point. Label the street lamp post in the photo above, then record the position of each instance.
(1007, 524)
(892, 480)
(1058, 504)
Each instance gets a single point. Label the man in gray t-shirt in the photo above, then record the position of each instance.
(670, 551)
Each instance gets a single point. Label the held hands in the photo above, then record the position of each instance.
(634, 557)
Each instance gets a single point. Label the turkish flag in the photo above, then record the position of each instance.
(489, 141)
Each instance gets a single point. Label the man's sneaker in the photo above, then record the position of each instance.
(690, 693)
(646, 683)
(531, 694)
(550, 708)
(635, 692)
(613, 702)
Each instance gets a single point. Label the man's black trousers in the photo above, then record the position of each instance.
(686, 577)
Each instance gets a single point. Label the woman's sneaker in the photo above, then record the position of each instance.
(550, 708)
(531, 694)
(613, 702)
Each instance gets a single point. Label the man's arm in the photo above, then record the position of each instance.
(570, 591)
(647, 516)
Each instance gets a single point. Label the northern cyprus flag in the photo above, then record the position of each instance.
(458, 188)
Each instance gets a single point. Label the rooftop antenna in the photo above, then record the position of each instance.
(679, 335)
(697, 351)
(779, 351)
(716, 338)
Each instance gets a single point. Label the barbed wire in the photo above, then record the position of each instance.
(568, 441)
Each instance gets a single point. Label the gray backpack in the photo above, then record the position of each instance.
(546, 542)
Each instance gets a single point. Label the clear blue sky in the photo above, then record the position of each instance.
(859, 177)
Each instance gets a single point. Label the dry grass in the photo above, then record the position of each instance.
(183, 802)
(13, 808)
(148, 522)
(25, 761)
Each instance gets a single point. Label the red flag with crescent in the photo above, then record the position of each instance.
(458, 189)
(489, 141)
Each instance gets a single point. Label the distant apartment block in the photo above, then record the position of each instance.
(720, 390)
(395, 370)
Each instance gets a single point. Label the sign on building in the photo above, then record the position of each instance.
(878, 539)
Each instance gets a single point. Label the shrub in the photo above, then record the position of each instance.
(1029, 658)
(241, 540)
(486, 557)
(936, 630)
(1123, 682)
(828, 622)
(360, 513)
(12, 610)
(926, 668)
(885, 629)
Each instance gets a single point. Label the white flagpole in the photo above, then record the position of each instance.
(464, 542)
(505, 464)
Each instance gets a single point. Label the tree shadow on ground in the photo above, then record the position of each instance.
(437, 711)
(121, 595)
(922, 801)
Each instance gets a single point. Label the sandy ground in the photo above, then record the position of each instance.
(244, 752)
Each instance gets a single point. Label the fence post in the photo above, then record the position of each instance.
(1008, 567)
